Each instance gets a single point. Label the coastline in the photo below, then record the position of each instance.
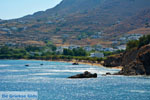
(79, 62)
(93, 64)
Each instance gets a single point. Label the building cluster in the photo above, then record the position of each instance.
(120, 44)
(87, 48)
(96, 51)
(97, 35)
(129, 37)
(10, 30)
(5, 30)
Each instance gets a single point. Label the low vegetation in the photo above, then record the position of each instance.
(46, 53)
(138, 43)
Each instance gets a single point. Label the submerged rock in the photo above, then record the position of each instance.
(86, 74)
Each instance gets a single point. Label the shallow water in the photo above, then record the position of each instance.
(51, 82)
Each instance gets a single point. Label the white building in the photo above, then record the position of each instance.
(134, 37)
(99, 55)
(88, 48)
(60, 49)
(35, 53)
(14, 28)
(108, 49)
(121, 47)
(73, 47)
(98, 47)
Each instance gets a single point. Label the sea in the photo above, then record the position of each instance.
(49, 80)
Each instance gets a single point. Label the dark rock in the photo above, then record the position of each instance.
(136, 62)
(113, 61)
(129, 56)
(121, 59)
(86, 74)
(134, 68)
(144, 57)
(27, 65)
(75, 63)
(108, 73)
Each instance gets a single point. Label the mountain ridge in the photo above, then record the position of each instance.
(71, 18)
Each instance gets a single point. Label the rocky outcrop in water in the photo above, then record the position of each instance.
(75, 63)
(86, 74)
(134, 62)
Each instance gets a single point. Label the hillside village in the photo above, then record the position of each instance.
(96, 50)
(97, 30)
(90, 25)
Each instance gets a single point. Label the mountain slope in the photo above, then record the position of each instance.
(78, 21)
(135, 23)
(67, 7)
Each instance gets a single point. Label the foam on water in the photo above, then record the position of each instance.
(7, 70)
(139, 91)
(4, 65)
(43, 74)
(51, 82)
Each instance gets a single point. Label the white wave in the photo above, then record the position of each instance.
(139, 91)
(80, 71)
(38, 79)
(13, 70)
(4, 65)
(43, 74)
(13, 76)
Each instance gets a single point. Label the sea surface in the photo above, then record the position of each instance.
(51, 82)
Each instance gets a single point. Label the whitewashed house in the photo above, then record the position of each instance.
(88, 48)
(99, 55)
(73, 47)
(121, 47)
(108, 49)
(60, 49)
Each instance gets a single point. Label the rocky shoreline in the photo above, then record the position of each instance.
(134, 62)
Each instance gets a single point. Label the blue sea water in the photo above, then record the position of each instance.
(51, 82)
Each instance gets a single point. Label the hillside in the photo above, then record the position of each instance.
(138, 23)
(66, 7)
(82, 22)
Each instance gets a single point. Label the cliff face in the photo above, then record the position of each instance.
(113, 61)
(134, 62)
(145, 59)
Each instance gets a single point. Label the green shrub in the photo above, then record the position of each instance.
(132, 44)
(138, 43)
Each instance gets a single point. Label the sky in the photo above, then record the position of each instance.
(11, 9)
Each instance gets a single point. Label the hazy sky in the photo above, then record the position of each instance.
(10, 9)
